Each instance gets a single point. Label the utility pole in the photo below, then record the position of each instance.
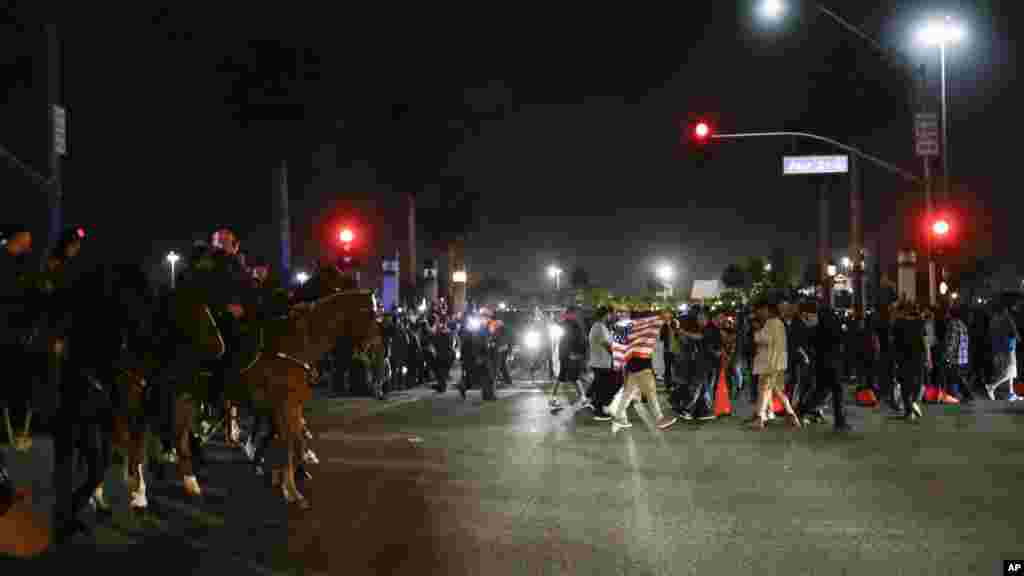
(856, 238)
(922, 90)
(56, 195)
(285, 219)
(824, 243)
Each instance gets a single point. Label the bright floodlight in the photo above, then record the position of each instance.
(942, 32)
(555, 331)
(665, 272)
(772, 9)
(173, 257)
(554, 271)
(532, 339)
(302, 277)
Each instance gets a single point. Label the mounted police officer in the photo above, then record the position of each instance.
(15, 246)
(231, 292)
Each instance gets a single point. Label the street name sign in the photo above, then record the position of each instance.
(926, 134)
(796, 165)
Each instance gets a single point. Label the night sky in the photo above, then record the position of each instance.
(561, 129)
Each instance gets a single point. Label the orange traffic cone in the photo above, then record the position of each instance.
(23, 533)
(723, 407)
(866, 397)
(947, 399)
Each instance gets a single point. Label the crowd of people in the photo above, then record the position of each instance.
(792, 355)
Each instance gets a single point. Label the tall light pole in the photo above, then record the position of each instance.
(943, 33)
(172, 259)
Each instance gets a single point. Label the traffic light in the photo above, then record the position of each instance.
(346, 236)
(701, 132)
(940, 228)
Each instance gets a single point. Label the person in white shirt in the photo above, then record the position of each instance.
(601, 363)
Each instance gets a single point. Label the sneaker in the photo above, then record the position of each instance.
(990, 392)
(602, 417)
(666, 422)
(771, 416)
(916, 410)
(250, 449)
(685, 415)
(1013, 397)
(621, 424)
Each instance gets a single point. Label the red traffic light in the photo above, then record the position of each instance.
(347, 236)
(940, 227)
(702, 130)
(80, 232)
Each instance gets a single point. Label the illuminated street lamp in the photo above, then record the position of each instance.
(666, 274)
(943, 33)
(556, 273)
(773, 9)
(172, 259)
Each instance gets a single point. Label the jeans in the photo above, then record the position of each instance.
(706, 381)
(826, 382)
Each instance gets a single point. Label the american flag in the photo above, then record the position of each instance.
(636, 338)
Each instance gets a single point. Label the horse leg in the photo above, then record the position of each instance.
(183, 419)
(295, 445)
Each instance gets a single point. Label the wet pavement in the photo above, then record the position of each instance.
(423, 483)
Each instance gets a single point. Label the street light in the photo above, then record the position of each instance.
(768, 267)
(773, 9)
(942, 33)
(302, 278)
(556, 273)
(172, 259)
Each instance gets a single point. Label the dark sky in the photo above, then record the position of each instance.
(564, 127)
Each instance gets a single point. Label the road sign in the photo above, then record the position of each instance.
(926, 134)
(794, 165)
(60, 142)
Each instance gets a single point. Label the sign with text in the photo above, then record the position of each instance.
(926, 134)
(795, 165)
(60, 120)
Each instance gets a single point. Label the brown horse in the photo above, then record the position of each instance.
(281, 378)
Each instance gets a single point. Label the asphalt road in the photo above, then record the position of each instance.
(431, 484)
